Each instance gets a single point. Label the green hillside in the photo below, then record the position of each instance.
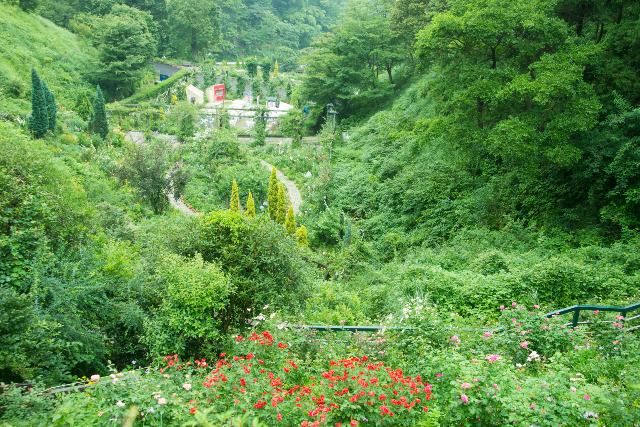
(61, 58)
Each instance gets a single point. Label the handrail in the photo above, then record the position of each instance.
(332, 328)
(576, 309)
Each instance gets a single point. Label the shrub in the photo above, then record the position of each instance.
(262, 262)
(189, 320)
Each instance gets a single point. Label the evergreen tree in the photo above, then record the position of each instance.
(98, 124)
(276, 70)
(52, 110)
(272, 194)
(39, 120)
(302, 236)
(234, 205)
(281, 212)
(290, 221)
(251, 206)
(28, 5)
(260, 126)
(266, 69)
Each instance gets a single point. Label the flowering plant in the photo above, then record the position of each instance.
(265, 381)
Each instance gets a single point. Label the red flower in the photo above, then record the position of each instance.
(243, 382)
(279, 417)
(192, 410)
(261, 404)
(353, 423)
(282, 345)
(385, 411)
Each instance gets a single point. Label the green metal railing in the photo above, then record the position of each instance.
(577, 309)
(575, 321)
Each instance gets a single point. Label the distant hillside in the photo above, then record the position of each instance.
(61, 58)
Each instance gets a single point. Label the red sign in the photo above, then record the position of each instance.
(219, 93)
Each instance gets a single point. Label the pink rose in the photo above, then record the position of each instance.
(464, 398)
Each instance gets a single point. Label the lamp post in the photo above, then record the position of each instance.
(331, 116)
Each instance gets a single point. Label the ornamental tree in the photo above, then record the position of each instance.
(250, 206)
(302, 236)
(290, 221)
(272, 194)
(234, 204)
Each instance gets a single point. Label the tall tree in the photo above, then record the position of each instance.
(266, 71)
(260, 126)
(250, 206)
(98, 124)
(344, 67)
(272, 194)
(290, 221)
(234, 203)
(39, 119)
(194, 26)
(150, 169)
(126, 45)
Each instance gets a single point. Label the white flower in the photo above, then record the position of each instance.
(186, 386)
(120, 404)
(151, 410)
(533, 356)
(162, 401)
(95, 378)
(133, 362)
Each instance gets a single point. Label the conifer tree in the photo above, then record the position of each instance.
(234, 205)
(302, 236)
(39, 120)
(52, 110)
(272, 194)
(251, 206)
(282, 204)
(28, 5)
(290, 221)
(98, 124)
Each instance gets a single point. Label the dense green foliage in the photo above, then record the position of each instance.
(476, 167)
(30, 42)
(194, 29)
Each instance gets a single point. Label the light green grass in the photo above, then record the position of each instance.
(61, 58)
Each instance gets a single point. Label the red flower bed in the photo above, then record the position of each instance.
(267, 381)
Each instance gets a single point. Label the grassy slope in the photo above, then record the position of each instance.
(28, 40)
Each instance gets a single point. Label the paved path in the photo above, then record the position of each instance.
(181, 206)
(279, 140)
(292, 188)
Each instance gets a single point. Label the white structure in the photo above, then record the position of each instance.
(195, 95)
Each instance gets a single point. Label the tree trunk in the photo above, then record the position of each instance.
(494, 60)
(389, 69)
